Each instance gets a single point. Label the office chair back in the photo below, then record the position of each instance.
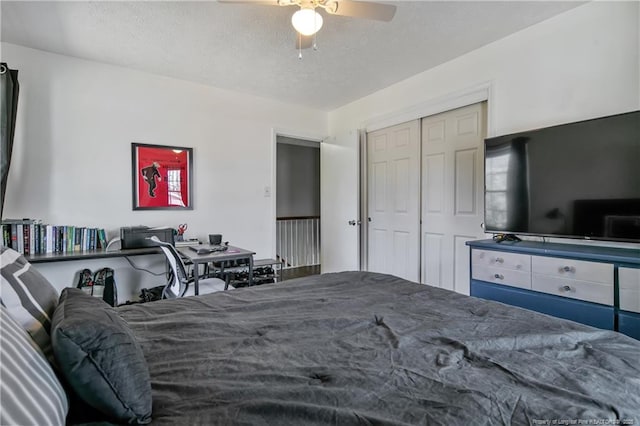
(178, 281)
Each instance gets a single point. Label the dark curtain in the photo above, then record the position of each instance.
(9, 89)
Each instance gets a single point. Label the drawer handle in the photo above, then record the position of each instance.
(499, 276)
(499, 260)
(565, 288)
(568, 269)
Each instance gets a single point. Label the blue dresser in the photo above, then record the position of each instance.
(598, 286)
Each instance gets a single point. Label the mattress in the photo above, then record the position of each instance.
(367, 348)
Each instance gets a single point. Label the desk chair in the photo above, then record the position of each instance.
(178, 283)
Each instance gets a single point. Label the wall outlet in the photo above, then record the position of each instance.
(267, 191)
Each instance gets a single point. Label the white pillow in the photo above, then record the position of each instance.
(30, 392)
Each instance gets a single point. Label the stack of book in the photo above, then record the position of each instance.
(31, 236)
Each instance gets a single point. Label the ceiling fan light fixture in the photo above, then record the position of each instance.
(307, 21)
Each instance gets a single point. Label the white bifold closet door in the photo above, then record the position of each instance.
(393, 200)
(452, 194)
(425, 197)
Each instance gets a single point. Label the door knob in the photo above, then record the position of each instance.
(352, 222)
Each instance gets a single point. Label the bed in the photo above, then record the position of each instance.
(367, 348)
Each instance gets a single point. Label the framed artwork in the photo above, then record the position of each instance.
(162, 177)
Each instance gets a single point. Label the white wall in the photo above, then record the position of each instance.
(582, 64)
(72, 154)
(578, 65)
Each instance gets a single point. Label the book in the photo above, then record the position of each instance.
(102, 238)
(59, 239)
(6, 235)
(85, 239)
(14, 236)
(92, 239)
(71, 238)
(32, 238)
(26, 234)
(187, 243)
(16, 221)
(20, 237)
(49, 239)
(77, 239)
(36, 239)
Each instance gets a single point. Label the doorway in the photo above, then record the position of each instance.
(298, 206)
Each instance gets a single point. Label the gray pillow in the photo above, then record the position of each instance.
(101, 358)
(29, 297)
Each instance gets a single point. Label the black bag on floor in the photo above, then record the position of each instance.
(151, 294)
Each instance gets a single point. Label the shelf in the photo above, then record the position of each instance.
(266, 262)
(239, 273)
(90, 254)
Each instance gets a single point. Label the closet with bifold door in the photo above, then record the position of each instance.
(425, 196)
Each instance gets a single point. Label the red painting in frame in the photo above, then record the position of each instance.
(162, 177)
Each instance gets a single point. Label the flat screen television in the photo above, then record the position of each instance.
(578, 180)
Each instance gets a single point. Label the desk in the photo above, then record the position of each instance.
(232, 253)
(131, 267)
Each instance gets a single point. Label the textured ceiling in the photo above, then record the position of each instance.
(250, 48)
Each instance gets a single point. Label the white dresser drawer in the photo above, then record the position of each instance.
(519, 262)
(629, 283)
(574, 269)
(576, 289)
(503, 276)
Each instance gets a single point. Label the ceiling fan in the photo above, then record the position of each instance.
(307, 21)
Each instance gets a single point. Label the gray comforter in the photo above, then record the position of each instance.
(364, 348)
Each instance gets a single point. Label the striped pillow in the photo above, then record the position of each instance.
(30, 393)
(29, 298)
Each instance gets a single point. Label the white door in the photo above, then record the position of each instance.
(452, 194)
(393, 200)
(339, 203)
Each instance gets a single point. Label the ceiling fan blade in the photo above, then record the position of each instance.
(361, 9)
(303, 41)
(262, 2)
